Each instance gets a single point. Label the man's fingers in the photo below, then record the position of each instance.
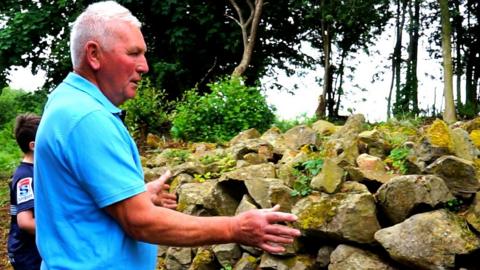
(272, 248)
(278, 239)
(164, 177)
(275, 217)
(276, 229)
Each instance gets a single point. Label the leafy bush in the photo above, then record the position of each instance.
(147, 112)
(12, 103)
(302, 119)
(10, 154)
(218, 116)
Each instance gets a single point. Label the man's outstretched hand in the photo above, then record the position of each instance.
(158, 192)
(260, 228)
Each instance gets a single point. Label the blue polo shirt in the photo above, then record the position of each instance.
(85, 160)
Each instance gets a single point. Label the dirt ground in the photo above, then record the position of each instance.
(4, 224)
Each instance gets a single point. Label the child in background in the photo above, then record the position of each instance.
(22, 250)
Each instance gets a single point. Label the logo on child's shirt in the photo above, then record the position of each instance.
(24, 190)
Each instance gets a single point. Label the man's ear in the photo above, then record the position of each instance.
(92, 54)
(31, 145)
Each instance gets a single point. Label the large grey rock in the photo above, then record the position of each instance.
(329, 179)
(459, 174)
(324, 128)
(227, 254)
(463, 146)
(299, 262)
(347, 215)
(245, 135)
(299, 136)
(286, 166)
(473, 214)
(374, 143)
(346, 257)
(246, 262)
(240, 149)
(191, 197)
(323, 256)
(204, 260)
(178, 258)
(402, 194)
(371, 169)
(425, 154)
(267, 192)
(429, 240)
(191, 167)
(352, 128)
(265, 170)
(207, 198)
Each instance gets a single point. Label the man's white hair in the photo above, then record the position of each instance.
(95, 24)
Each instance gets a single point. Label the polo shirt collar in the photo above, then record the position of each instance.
(82, 84)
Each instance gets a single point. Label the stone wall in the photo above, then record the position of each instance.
(361, 211)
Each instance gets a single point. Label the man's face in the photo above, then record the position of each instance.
(122, 63)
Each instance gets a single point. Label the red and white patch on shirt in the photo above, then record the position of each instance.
(24, 190)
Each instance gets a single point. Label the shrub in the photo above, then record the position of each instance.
(10, 154)
(218, 116)
(303, 119)
(147, 112)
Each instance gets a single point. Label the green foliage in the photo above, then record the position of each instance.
(454, 205)
(10, 154)
(304, 172)
(13, 103)
(230, 108)
(176, 156)
(302, 119)
(227, 267)
(398, 157)
(147, 112)
(397, 132)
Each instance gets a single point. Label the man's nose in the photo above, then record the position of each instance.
(142, 66)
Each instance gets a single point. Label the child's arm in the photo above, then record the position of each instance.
(26, 221)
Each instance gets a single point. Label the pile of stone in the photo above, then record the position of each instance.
(361, 214)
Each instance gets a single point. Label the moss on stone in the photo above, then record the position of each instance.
(318, 214)
(475, 137)
(439, 135)
(203, 257)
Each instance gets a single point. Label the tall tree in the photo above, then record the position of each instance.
(449, 114)
(401, 6)
(346, 26)
(249, 29)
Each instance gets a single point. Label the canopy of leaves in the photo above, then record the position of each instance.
(190, 42)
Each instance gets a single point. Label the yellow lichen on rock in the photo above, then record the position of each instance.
(475, 137)
(439, 135)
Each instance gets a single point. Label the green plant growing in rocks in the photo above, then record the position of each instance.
(398, 157)
(176, 156)
(304, 172)
(454, 205)
(227, 267)
(206, 176)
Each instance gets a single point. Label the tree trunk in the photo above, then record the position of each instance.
(449, 115)
(411, 82)
(397, 54)
(320, 112)
(249, 33)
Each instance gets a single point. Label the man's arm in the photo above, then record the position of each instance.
(26, 221)
(144, 221)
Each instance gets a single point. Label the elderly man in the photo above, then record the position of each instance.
(94, 210)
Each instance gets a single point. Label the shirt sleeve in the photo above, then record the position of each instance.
(104, 159)
(24, 194)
